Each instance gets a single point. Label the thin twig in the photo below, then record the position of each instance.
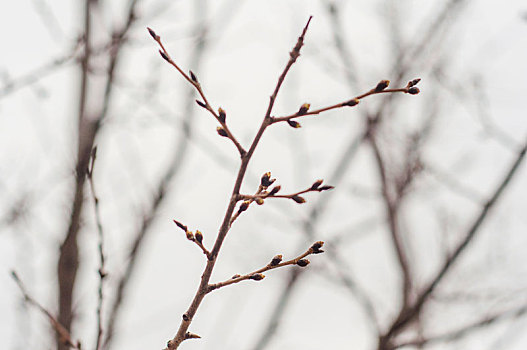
(164, 185)
(407, 314)
(391, 204)
(62, 333)
(193, 80)
(348, 103)
(275, 263)
(102, 267)
(465, 330)
(90, 122)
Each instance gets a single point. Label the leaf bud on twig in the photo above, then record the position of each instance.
(383, 84)
(221, 131)
(259, 201)
(201, 104)
(180, 225)
(257, 277)
(303, 262)
(352, 102)
(153, 34)
(303, 109)
(414, 90)
(298, 199)
(316, 184)
(275, 190)
(164, 55)
(413, 82)
(294, 124)
(276, 260)
(193, 76)
(244, 206)
(190, 236)
(222, 116)
(325, 188)
(315, 248)
(199, 236)
(235, 276)
(189, 335)
(266, 180)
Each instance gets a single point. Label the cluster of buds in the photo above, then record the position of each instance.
(411, 87)
(264, 192)
(196, 237)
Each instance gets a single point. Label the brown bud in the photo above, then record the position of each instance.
(413, 82)
(414, 90)
(222, 116)
(193, 76)
(257, 277)
(315, 248)
(275, 190)
(294, 124)
(235, 276)
(190, 236)
(325, 188)
(383, 84)
(352, 102)
(181, 226)
(164, 55)
(302, 262)
(298, 199)
(185, 317)
(199, 236)
(201, 104)
(259, 201)
(189, 335)
(303, 109)
(221, 131)
(316, 184)
(152, 33)
(244, 206)
(266, 180)
(317, 245)
(276, 260)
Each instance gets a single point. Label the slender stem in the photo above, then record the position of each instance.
(338, 105)
(204, 287)
(268, 267)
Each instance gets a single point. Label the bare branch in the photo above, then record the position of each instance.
(102, 268)
(275, 263)
(62, 333)
(466, 330)
(407, 314)
(349, 103)
(220, 116)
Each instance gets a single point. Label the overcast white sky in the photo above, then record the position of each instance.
(483, 74)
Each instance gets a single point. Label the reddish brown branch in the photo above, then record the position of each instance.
(275, 263)
(193, 80)
(204, 287)
(348, 103)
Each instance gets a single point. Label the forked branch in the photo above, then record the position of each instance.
(266, 181)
